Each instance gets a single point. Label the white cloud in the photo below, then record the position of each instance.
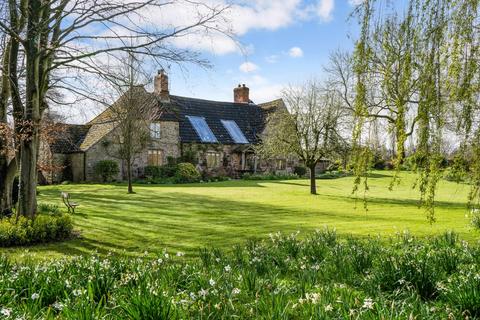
(240, 18)
(261, 88)
(295, 52)
(325, 9)
(266, 93)
(248, 67)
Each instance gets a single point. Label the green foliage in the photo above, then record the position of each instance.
(188, 155)
(46, 208)
(106, 170)
(300, 171)
(450, 174)
(160, 172)
(335, 166)
(269, 176)
(333, 174)
(429, 51)
(44, 228)
(317, 276)
(186, 173)
(475, 218)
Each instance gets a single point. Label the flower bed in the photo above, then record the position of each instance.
(282, 278)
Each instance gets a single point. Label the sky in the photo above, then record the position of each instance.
(291, 48)
(282, 43)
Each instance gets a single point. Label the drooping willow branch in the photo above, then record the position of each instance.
(426, 61)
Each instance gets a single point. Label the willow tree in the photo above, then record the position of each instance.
(53, 38)
(310, 128)
(438, 74)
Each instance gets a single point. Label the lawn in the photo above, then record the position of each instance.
(222, 214)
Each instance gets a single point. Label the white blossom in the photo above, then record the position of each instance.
(6, 312)
(368, 303)
(58, 305)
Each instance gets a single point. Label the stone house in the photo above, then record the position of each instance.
(218, 136)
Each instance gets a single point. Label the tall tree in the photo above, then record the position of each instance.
(53, 37)
(310, 128)
(437, 70)
(130, 115)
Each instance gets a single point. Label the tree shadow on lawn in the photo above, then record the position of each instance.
(146, 221)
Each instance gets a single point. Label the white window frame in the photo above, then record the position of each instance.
(155, 130)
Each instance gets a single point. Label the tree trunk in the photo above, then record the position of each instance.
(7, 177)
(313, 181)
(27, 195)
(129, 176)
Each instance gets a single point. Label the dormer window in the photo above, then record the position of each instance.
(155, 130)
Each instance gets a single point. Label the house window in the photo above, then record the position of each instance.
(214, 159)
(155, 157)
(281, 164)
(234, 131)
(155, 130)
(203, 130)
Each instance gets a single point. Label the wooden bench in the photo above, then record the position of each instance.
(69, 204)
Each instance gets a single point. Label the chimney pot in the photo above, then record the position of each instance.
(161, 86)
(241, 94)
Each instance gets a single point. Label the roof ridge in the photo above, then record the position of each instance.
(214, 101)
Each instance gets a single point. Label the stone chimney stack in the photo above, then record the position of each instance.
(161, 86)
(241, 94)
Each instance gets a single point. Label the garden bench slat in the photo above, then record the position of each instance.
(69, 204)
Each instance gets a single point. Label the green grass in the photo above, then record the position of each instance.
(318, 277)
(187, 217)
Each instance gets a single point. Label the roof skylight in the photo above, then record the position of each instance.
(202, 129)
(234, 131)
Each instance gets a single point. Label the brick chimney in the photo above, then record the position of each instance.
(241, 94)
(161, 86)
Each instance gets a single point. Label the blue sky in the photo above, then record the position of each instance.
(284, 42)
(287, 50)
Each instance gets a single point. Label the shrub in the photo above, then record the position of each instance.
(158, 172)
(475, 218)
(44, 228)
(333, 175)
(106, 170)
(334, 166)
(300, 171)
(269, 176)
(45, 208)
(152, 171)
(186, 173)
(451, 174)
(189, 156)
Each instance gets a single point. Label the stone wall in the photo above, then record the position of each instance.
(76, 162)
(106, 150)
(232, 164)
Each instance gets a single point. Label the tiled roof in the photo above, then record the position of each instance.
(249, 117)
(68, 139)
